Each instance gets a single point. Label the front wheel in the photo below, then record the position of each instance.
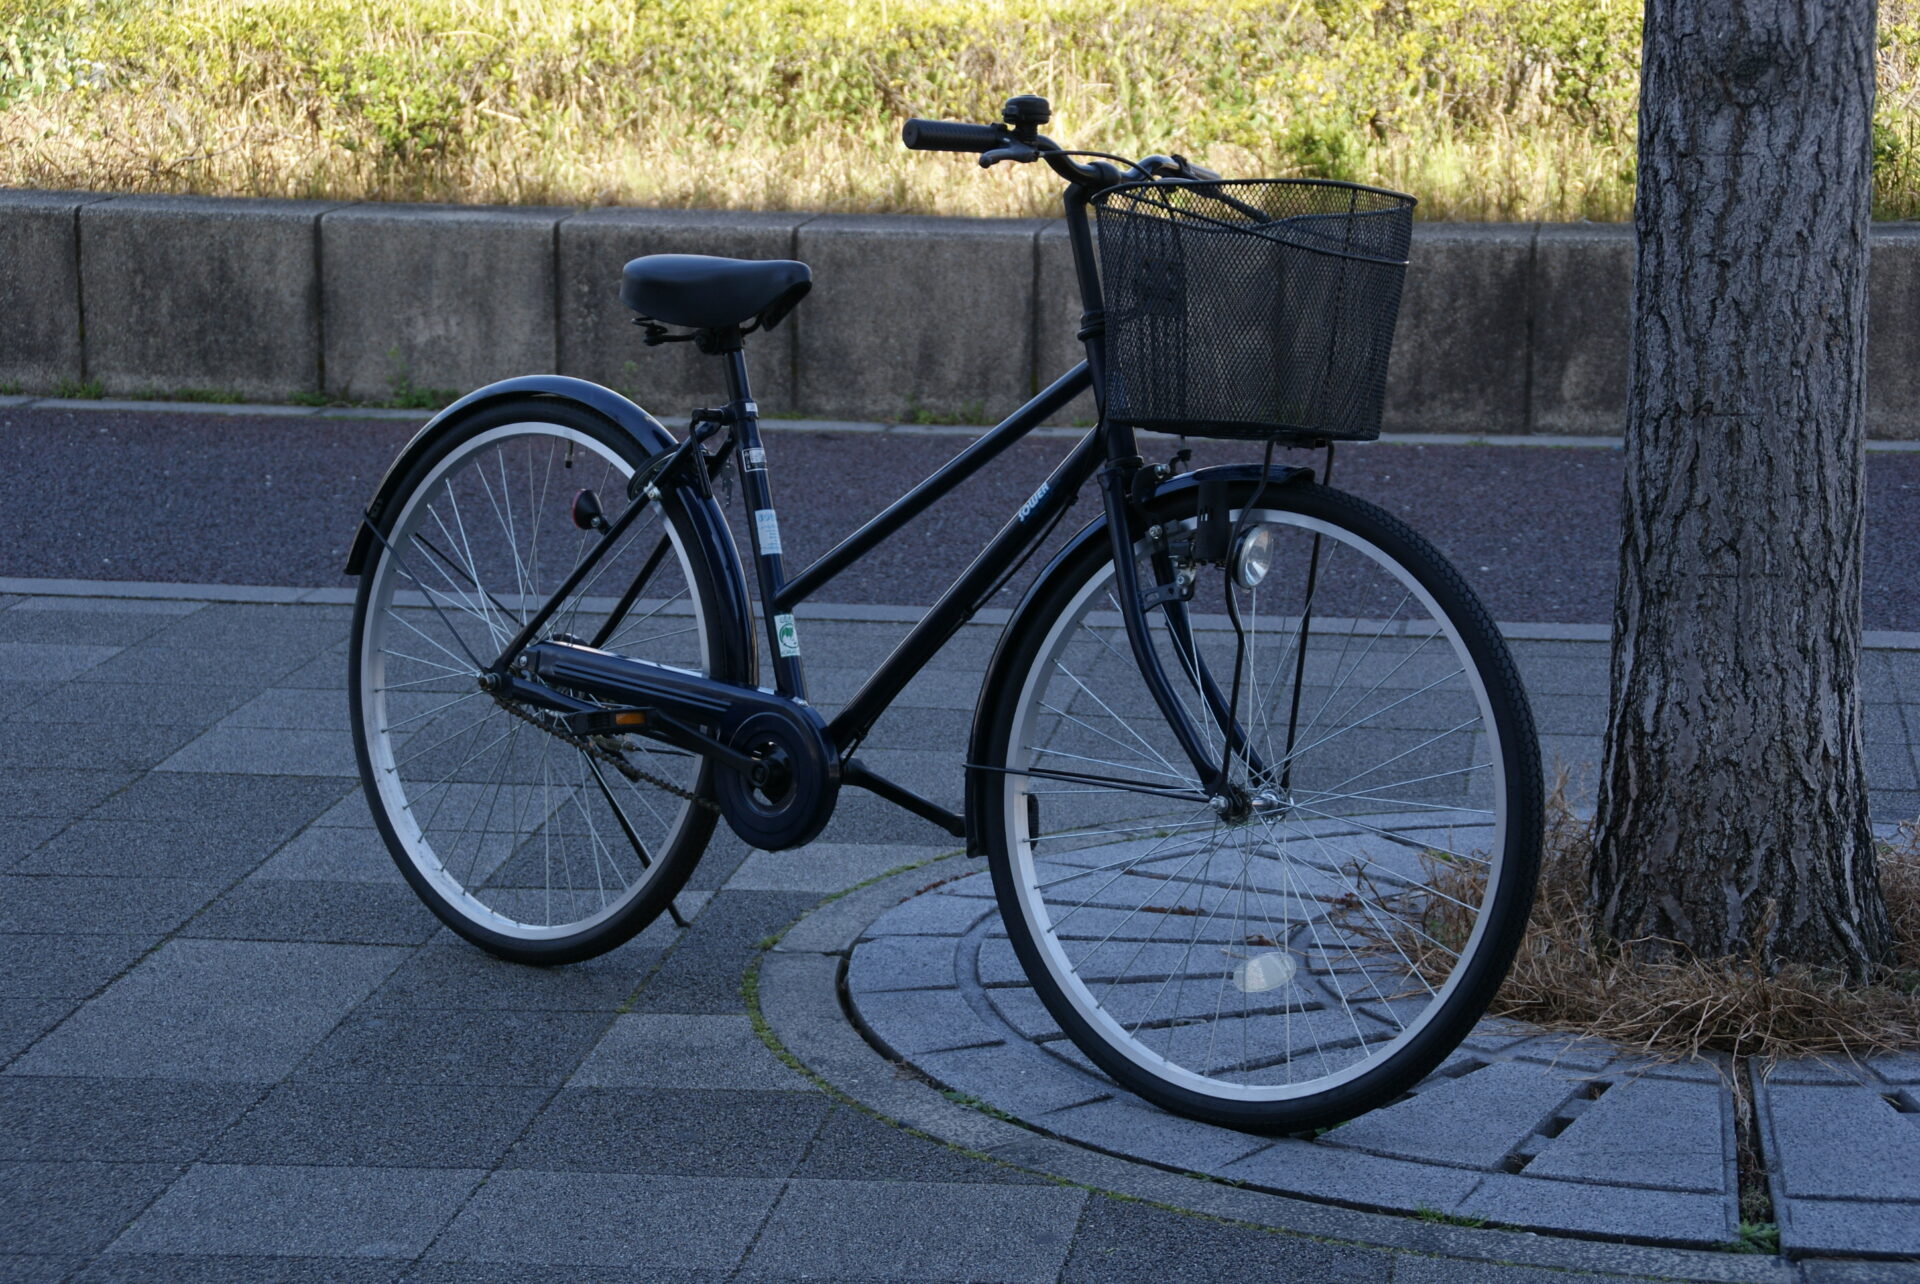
(1313, 946)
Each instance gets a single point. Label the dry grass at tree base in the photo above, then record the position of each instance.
(1566, 978)
(1485, 109)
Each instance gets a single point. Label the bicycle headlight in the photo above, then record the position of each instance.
(1253, 556)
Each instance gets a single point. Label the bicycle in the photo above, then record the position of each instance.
(1264, 842)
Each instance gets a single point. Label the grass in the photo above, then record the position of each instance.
(1427, 1214)
(1487, 109)
(1568, 978)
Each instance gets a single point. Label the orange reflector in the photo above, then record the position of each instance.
(631, 718)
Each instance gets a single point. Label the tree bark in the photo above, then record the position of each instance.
(1732, 815)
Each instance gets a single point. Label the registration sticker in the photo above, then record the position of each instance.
(767, 527)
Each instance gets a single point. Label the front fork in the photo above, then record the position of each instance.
(1213, 768)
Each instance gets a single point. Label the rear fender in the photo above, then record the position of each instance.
(709, 524)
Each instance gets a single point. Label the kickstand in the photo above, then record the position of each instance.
(674, 912)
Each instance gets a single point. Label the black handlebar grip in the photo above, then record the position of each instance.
(951, 136)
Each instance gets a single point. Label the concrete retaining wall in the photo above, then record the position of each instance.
(1505, 328)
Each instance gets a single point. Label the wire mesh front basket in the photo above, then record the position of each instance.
(1251, 308)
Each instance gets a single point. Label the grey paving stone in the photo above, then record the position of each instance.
(57, 791)
(1650, 1132)
(930, 916)
(380, 1125)
(1409, 1269)
(913, 1022)
(678, 1132)
(128, 748)
(21, 835)
(1126, 1125)
(1843, 1142)
(1831, 1271)
(74, 1207)
(1319, 1171)
(148, 907)
(294, 709)
(18, 698)
(646, 1272)
(303, 910)
(702, 973)
(167, 704)
(1902, 1068)
(302, 630)
(1476, 1119)
(223, 1011)
(151, 662)
(609, 1219)
(665, 1050)
(50, 661)
(455, 1047)
(1584, 1208)
(264, 751)
(1848, 1226)
(1014, 1077)
(821, 867)
(334, 855)
(466, 978)
(63, 967)
(56, 605)
(854, 1146)
(105, 629)
(114, 1120)
(1123, 1241)
(901, 963)
(203, 851)
(918, 1230)
(301, 1211)
(24, 1020)
(281, 805)
(39, 1268)
(167, 1268)
(530, 1273)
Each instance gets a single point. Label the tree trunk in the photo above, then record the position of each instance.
(1733, 797)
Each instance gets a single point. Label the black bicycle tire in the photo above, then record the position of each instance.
(681, 858)
(1509, 905)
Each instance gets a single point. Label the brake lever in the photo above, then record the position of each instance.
(1013, 151)
(1190, 170)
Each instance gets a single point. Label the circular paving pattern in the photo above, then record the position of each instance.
(1518, 1128)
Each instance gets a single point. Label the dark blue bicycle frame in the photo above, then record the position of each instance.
(1108, 451)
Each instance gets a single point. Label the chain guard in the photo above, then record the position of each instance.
(804, 802)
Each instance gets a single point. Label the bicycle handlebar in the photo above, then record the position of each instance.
(952, 136)
(1022, 142)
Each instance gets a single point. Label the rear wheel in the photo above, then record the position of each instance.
(530, 843)
(1312, 946)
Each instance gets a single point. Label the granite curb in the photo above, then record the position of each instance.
(805, 1005)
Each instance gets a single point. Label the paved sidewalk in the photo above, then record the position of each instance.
(236, 1047)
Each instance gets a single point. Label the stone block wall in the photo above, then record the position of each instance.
(1504, 328)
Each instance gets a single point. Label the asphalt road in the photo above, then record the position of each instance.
(204, 498)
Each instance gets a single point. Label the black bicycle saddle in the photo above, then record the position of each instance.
(710, 293)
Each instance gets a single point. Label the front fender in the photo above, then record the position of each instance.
(997, 678)
(603, 401)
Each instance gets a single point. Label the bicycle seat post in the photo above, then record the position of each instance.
(743, 417)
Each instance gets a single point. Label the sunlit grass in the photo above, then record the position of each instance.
(1488, 109)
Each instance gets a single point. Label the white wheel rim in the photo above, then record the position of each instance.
(1040, 915)
(391, 791)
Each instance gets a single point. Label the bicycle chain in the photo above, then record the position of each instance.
(617, 761)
